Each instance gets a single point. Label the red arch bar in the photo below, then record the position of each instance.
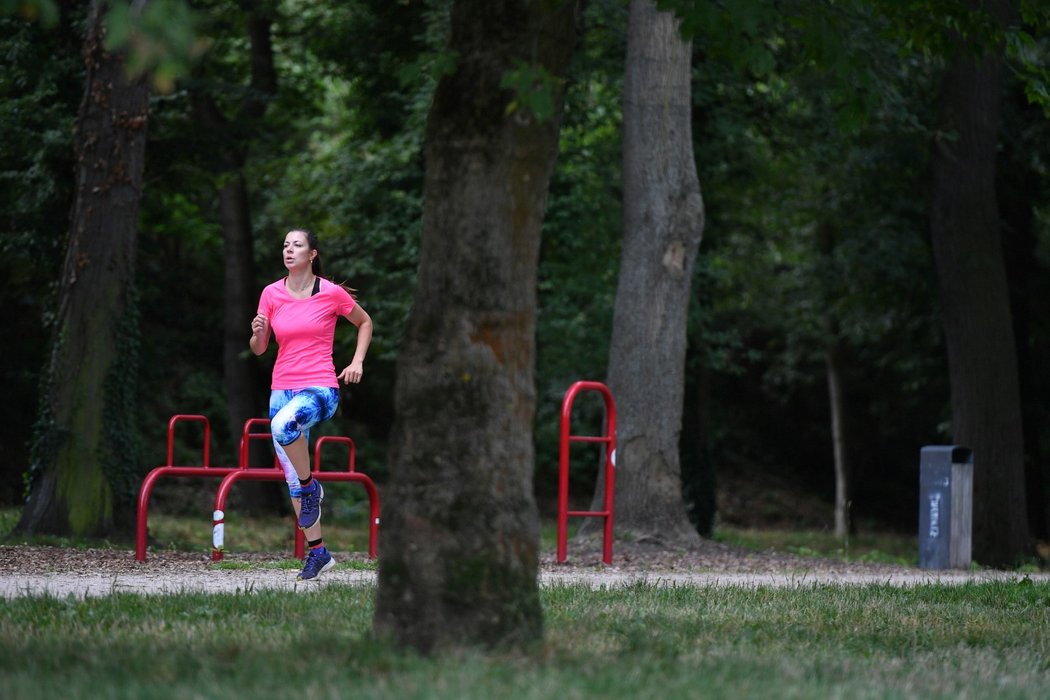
(203, 470)
(610, 467)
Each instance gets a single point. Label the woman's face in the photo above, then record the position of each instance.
(296, 250)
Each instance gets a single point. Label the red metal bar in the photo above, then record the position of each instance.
(189, 417)
(563, 468)
(351, 461)
(218, 517)
(247, 436)
(146, 489)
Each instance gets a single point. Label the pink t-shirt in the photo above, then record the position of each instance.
(305, 332)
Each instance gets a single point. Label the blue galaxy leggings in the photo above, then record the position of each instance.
(292, 413)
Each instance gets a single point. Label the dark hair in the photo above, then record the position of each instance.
(316, 266)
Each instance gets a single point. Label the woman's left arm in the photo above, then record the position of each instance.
(352, 373)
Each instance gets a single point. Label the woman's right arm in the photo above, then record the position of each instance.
(260, 339)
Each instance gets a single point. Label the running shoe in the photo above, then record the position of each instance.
(310, 505)
(317, 561)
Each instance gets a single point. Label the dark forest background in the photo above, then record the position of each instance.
(812, 135)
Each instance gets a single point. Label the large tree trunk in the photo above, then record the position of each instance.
(968, 250)
(82, 459)
(663, 225)
(460, 526)
(1020, 187)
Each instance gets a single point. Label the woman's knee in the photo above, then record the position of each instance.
(285, 429)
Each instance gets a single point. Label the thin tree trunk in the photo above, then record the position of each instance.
(241, 376)
(663, 225)
(459, 563)
(82, 458)
(837, 402)
(968, 250)
(836, 399)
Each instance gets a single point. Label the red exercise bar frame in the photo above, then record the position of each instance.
(610, 467)
(203, 470)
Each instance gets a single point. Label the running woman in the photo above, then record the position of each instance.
(301, 310)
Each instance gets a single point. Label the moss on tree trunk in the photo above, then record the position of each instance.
(82, 457)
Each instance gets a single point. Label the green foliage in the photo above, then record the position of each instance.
(810, 121)
(40, 84)
(354, 175)
(815, 239)
(580, 248)
(345, 527)
(43, 11)
(387, 51)
(179, 284)
(736, 32)
(158, 37)
(534, 90)
(1028, 48)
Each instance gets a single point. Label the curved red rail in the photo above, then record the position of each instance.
(610, 467)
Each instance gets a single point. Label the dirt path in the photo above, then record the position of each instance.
(247, 581)
(27, 570)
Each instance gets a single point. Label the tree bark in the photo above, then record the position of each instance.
(242, 379)
(663, 225)
(833, 365)
(82, 457)
(968, 251)
(460, 525)
(1019, 190)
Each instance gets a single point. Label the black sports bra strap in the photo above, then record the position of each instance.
(317, 286)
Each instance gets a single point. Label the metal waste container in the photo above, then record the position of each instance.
(945, 507)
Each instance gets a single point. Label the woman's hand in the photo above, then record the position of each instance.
(260, 339)
(352, 373)
(260, 326)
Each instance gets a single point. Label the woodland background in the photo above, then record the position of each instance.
(812, 128)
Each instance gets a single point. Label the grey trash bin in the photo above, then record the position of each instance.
(945, 507)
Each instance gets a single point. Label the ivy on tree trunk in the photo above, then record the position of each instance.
(83, 456)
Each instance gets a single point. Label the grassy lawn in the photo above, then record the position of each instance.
(986, 640)
(883, 548)
(815, 641)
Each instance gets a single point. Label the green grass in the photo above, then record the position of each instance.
(251, 534)
(883, 548)
(975, 640)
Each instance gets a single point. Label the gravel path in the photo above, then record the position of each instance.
(33, 570)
